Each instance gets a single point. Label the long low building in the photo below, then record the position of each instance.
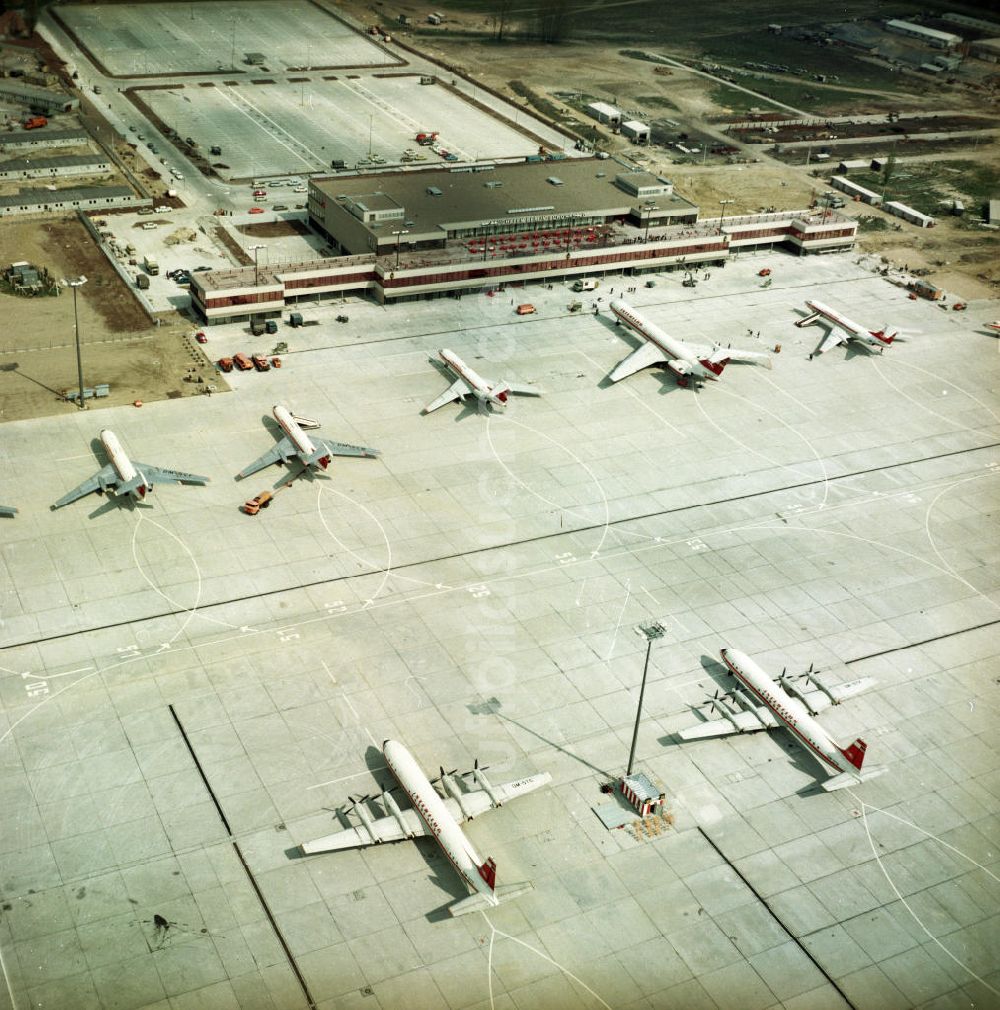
(425, 234)
(854, 189)
(48, 168)
(35, 139)
(512, 259)
(86, 198)
(34, 98)
(909, 214)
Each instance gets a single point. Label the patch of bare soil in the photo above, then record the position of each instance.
(120, 344)
(272, 229)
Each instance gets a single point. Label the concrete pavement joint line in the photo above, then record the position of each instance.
(774, 915)
(964, 392)
(794, 431)
(590, 473)
(246, 868)
(930, 538)
(750, 525)
(618, 624)
(494, 932)
(824, 481)
(905, 904)
(913, 400)
(784, 392)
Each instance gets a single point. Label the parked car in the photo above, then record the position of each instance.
(200, 337)
(256, 210)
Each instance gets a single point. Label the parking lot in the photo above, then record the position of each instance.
(164, 39)
(475, 592)
(283, 127)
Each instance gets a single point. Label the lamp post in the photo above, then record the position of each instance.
(399, 235)
(74, 283)
(256, 272)
(652, 632)
(722, 218)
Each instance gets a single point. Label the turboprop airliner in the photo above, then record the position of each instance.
(843, 330)
(659, 348)
(490, 396)
(296, 444)
(438, 818)
(764, 704)
(123, 477)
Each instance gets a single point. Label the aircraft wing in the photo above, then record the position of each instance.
(374, 832)
(157, 475)
(342, 449)
(642, 357)
(523, 390)
(455, 391)
(747, 721)
(818, 700)
(281, 450)
(103, 478)
(833, 339)
(719, 353)
(478, 801)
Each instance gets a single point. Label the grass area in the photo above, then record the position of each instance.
(657, 102)
(738, 101)
(924, 187)
(873, 224)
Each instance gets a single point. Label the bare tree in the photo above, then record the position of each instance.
(553, 20)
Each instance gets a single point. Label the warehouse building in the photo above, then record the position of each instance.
(986, 49)
(604, 113)
(635, 131)
(940, 40)
(443, 232)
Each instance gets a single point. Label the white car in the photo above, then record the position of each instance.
(176, 174)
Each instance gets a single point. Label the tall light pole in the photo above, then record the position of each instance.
(399, 235)
(256, 272)
(74, 283)
(652, 632)
(722, 218)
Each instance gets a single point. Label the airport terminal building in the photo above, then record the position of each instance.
(403, 235)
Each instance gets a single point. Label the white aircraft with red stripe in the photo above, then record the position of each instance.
(490, 395)
(296, 444)
(764, 704)
(437, 817)
(842, 330)
(123, 477)
(659, 348)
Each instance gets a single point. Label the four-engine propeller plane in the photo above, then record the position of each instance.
(842, 330)
(490, 395)
(296, 444)
(436, 817)
(761, 703)
(658, 348)
(121, 477)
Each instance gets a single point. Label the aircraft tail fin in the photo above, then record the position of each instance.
(883, 335)
(138, 484)
(488, 871)
(847, 779)
(483, 902)
(500, 392)
(715, 367)
(855, 753)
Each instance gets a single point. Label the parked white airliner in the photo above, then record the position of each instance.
(490, 396)
(123, 477)
(438, 818)
(843, 330)
(767, 705)
(296, 444)
(659, 348)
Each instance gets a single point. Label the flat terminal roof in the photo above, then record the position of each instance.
(931, 33)
(524, 192)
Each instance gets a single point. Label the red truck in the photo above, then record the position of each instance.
(34, 122)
